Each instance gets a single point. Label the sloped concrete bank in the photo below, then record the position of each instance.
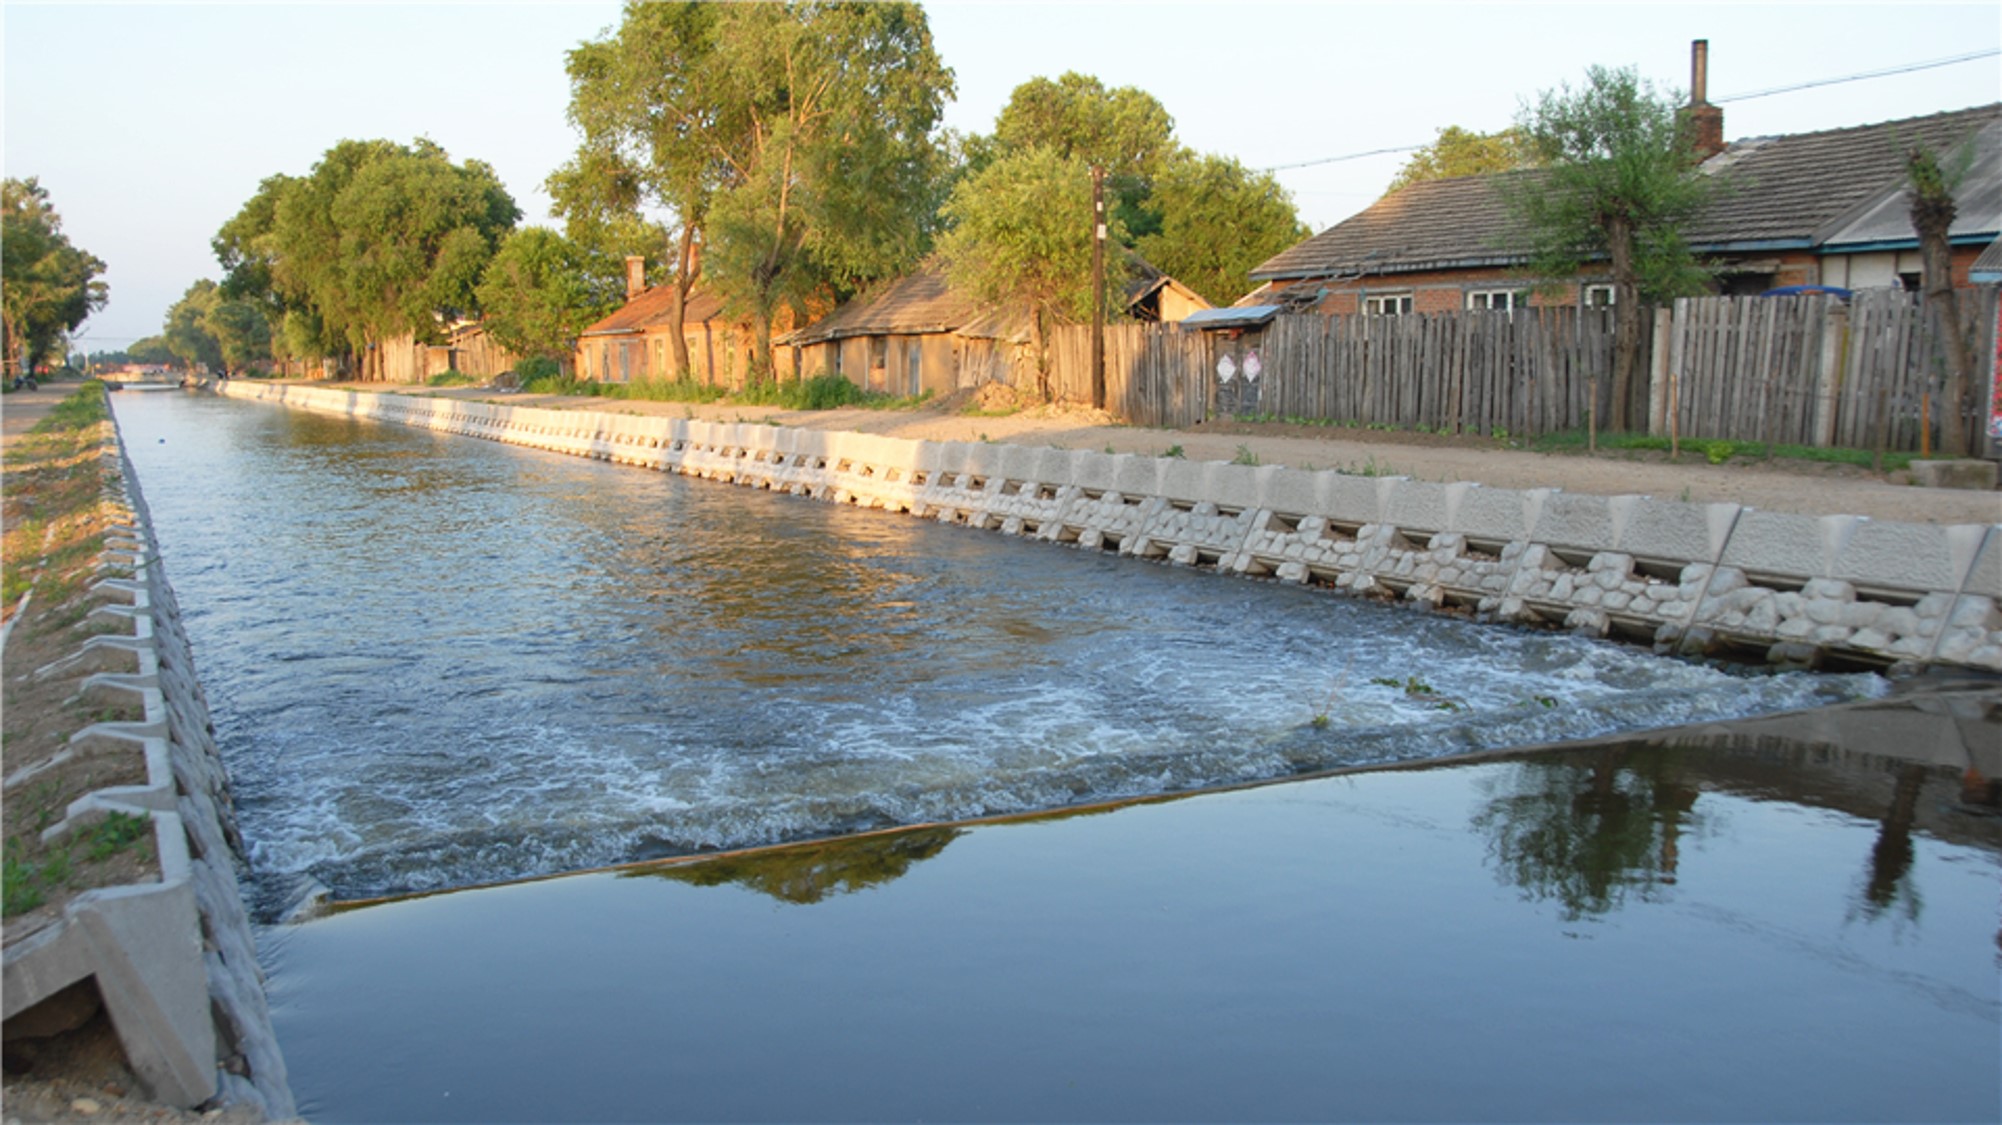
(1684, 577)
(175, 961)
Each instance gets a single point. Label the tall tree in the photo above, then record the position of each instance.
(47, 286)
(187, 331)
(377, 240)
(1933, 210)
(1021, 236)
(654, 116)
(1463, 152)
(826, 185)
(539, 293)
(1620, 178)
(791, 142)
(1125, 131)
(1218, 222)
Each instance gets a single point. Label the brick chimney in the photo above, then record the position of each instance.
(635, 276)
(1706, 121)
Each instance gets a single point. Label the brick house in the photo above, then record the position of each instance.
(1822, 208)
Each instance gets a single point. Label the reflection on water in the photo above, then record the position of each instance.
(438, 661)
(1680, 943)
(1590, 830)
(803, 874)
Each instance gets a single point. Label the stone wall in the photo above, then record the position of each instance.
(175, 961)
(1683, 577)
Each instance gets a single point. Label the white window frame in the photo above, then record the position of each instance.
(1387, 304)
(1498, 300)
(1587, 294)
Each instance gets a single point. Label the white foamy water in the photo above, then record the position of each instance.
(437, 661)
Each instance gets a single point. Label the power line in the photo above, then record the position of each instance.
(1884, 73)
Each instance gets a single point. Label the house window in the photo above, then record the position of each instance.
(1387, 304)
(1499, 299)
(1911, 282)
(1598, 297)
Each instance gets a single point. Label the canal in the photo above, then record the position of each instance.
(437, 663)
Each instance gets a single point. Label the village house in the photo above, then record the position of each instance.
(916, 334)
(1824, 208)
(636, 340)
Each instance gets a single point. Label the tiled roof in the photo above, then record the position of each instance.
(649, 310)
(1786, 188)
(911, 305)
(1780, 190)
(1430, 225)
(1885, 218)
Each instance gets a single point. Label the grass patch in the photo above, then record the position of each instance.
(450, 379)
(1718, 451)
(33, 874)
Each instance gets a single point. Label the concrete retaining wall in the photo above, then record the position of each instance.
(175, 961)
(1684, 577)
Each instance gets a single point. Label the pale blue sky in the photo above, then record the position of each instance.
(150, 124)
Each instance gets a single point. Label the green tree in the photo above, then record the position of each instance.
(1218, 222)
(1020, 235)
(187, 331)
(1462, 152)
(1125, 131)
(150, 350)
(1930, 196)
(829, 179)
(792, 143)
(379, 239)
(539, 293)
(47, 286)
(653, 118)
(1619, 180)
(242, 332)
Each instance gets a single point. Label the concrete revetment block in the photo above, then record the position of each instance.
(1967, 474)
(1416, 507)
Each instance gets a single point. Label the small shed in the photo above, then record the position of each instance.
(897, 338)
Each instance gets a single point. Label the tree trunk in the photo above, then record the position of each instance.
(1933, 211)
(761, 345)
(1944, 305)
(1626, 320)
(1039, 345)
(687, 267)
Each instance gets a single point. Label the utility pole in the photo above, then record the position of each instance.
(1098, 288)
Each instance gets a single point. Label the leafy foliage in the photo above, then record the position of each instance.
(1218, 222)
(1017, 238)
(1619, 179)
(379, 239)
(792, 142)
(1125, 131)
(47, 285)
(1463, 152)
(539, 293)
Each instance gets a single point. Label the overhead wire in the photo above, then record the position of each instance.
(1886, 72)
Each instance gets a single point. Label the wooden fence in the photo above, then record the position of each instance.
(1807, 370)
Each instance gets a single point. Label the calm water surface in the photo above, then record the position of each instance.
(437, 661)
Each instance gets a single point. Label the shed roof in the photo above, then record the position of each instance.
(1987, 269)
(1241, 316)
(1778, 192)
(649, 310)
(916, 304)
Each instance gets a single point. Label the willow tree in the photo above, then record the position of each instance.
(1619, 179)
(1124, 130)
(377, 240)
(1933, 209)
(792, 143)
(1458, 152)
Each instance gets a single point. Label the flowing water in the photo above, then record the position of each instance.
(436, 661)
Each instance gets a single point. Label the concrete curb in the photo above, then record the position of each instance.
(1717, 578)
(174, 961)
